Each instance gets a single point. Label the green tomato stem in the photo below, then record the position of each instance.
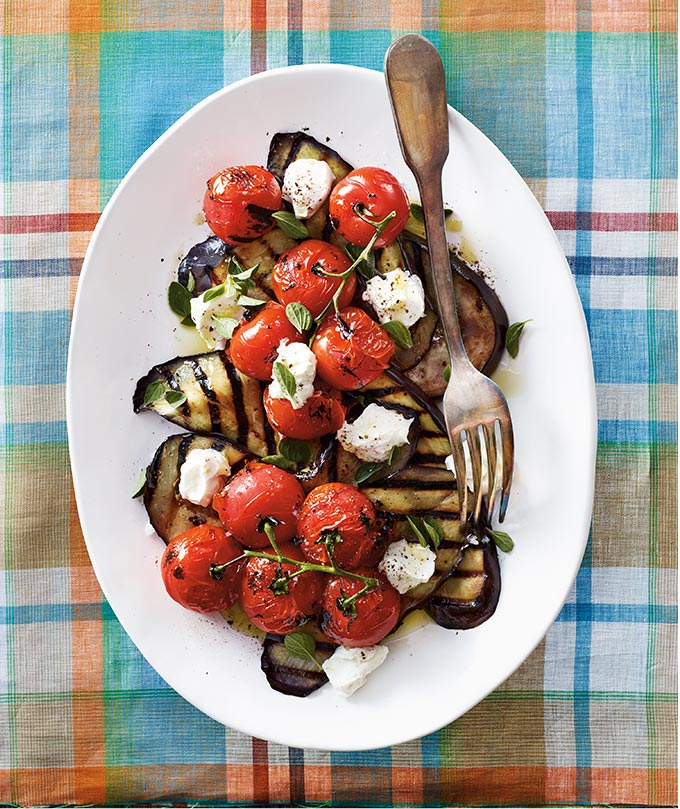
(310, 566)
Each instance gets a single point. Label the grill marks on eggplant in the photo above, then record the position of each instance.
(169, 514)
(219, 399)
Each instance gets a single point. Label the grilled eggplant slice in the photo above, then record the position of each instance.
(289, 146)
(219, 400)
(470, 596)
(293, 675)
(201, 261)
(169, 514)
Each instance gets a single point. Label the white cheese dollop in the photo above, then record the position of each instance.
(202, 475)
(397, 295)
(347, 669)
(306, 184)
(202, 313)
(301, 362)
(372, 435)
(407, 564)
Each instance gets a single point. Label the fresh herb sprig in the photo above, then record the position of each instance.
(302, 645)
(281, 581)
(513, 336)
(426, 530)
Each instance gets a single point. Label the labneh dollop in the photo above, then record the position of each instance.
(202, 475)
(306, 184)
(374, 433)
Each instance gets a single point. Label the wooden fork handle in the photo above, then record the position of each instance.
(417, 90)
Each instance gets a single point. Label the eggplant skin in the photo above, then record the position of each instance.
(457, 613)
(288, 674)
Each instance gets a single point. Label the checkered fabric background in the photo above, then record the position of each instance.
(581, 96)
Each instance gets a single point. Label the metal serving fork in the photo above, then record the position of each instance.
(475, 409)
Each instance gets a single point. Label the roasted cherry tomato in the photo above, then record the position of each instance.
(367, 620)
(186, 567)
(351, 349)
(347, 518)
(239, 201)
(254, 342)
(274, 604)
(296, 276)
(374, 193)
(321, 414)
(260, 490)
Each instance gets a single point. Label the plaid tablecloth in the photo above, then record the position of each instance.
(581, 96)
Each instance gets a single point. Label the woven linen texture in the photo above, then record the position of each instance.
(581, 96)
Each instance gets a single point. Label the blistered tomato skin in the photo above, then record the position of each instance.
(376, 193)
(321, 414)
(296, 276)
(238, 203)
(339, 507)
(377, 611)
(269, 608)
(254, 343)
(351, 349)
(258, 491)
(186, 566)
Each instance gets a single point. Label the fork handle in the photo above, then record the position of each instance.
(417, 90)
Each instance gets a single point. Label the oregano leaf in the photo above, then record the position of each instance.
(175, 398)
(302, 645)
(503, 541)
(366, 470)
(290, 225)
(179, 299)
(300, 316)
(282, 374)
(513, 336)
(400, 335)
(153, 392)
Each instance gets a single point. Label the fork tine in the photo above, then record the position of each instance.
(459, 465)
(475, 447)
(508, 460)
(491, 465)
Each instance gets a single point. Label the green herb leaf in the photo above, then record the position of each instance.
(285, 378)
(366, 470)
(179, 299)
(295, 450)
(224, 325)
(418, 529)
(175, 398)
(191, 282)
(141, 485)
(300, 644)
(400, 335)
(187, 321)
(434, 530)
(240, 278)
(513, 337)
(416, 211)
(277, 460)
(366, 267)
(394, 452)
(250, 303)
(502, 540)
(446, 373)
(153, 392)
(215, 292)
(300, 316)
(290, 225)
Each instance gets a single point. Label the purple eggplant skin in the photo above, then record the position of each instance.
(451, 614)
(200, 259)
(286, 674)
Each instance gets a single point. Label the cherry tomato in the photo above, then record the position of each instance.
(373, 615)
(321, 414)
(375, 193)
(238, 203)
(260, 490)
(186, 566)
(351, 349)
(254, 342)
(296, 276)
(339, 507)
(265, 601)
